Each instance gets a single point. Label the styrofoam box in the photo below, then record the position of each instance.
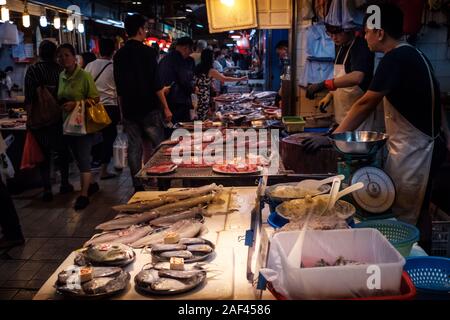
(366, 246)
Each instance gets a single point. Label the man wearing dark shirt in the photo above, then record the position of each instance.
(406, 81)
(353, 71)
(140, 94)
(177, 69)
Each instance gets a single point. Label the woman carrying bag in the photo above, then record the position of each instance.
(77, 93)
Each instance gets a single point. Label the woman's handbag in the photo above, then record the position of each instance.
(96, 116)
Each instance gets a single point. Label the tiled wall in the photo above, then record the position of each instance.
(433, 42)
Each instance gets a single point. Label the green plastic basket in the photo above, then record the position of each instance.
(401, 235)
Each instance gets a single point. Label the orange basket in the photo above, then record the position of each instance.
(407, 291)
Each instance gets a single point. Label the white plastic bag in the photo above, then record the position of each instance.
(367, 246)
(6, 167)
(120, 149)
(75, 123)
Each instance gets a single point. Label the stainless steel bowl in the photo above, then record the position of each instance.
(359, 142)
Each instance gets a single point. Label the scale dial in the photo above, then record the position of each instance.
(378, 196)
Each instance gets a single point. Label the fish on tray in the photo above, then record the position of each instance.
(108, 253)
(162, 168)
(167, 281)
(186, 228)
(127, 236)
(166, 221)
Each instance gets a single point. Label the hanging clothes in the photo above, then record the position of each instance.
(319, 45)
(344, 13)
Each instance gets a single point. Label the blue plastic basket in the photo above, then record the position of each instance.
(401, 235)
(430, 274)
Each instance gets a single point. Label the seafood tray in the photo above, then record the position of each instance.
(103, 283)
(195, 250)
(113, 255)
(168, 282)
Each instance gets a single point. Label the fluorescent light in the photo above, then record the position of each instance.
(199, 25)
(81, 28)
(236, 36)
(231, 31)
(57, 22)
(26, 20)
(5, 14)
(188, 9)
(69, 24)
(43, 21)
(228, 3)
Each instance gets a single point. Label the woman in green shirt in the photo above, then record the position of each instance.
(75, 85)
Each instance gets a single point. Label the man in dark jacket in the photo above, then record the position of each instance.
(177, 70)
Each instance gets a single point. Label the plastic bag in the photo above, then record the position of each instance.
(365, 246)
(307, 10)
(96, 116)
(120, 149)
(343, 13)
(32, 154)
(75, 123)
(6, 168)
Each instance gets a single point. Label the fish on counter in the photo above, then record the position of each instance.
(168, 247)
(192, 192)
(106, 254)
(168, 220)
(187, 228)
(127, 221)
(127, 236)
(141, 206)
(184, 204)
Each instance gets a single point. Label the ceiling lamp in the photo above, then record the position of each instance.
(57, 21)
(43, 20)
(26, 16)
(69, 24)
(5, 14)
(228, 3)
(2, 2)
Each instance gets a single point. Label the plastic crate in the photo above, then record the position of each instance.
(407, 291)
(440, 239)
(430, 274)
(401, 235)
(294, 124)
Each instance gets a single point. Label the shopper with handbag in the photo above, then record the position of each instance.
(76, 89)
(103, 72)
(45, 117)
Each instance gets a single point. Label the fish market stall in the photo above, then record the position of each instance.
(226, 219)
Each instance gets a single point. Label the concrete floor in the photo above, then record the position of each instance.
(53, 230)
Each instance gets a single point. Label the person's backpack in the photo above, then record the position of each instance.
(45, 110)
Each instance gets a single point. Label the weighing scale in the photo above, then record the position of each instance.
(360, 161)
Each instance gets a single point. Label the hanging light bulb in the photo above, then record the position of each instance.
(43, 20)
(81, 27)
(26, 16)
(5, 14)
(2, 2)
(228, 3)
(69, 24)
(57, 21)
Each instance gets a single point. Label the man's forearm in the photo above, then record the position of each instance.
(162, 98)
(359, 112)
(351, 79)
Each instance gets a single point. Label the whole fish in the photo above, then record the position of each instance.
(191, 192)
(126, 236)
(191, 241)
(168, 247)
(184, 204)
(97, 272)
(185, 228)
(102, 253)
(107, 284)
(141, 206)
(179, 254)
(200, 248)
(181, 275)
(168, 220)
(127, 221)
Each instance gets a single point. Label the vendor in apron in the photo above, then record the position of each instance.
(405, 81)
(353, 71)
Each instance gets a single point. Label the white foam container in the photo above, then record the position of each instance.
(367, 246)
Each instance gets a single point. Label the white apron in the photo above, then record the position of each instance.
(409, 159)
(344, 98)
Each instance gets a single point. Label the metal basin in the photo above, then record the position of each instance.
(359, 142)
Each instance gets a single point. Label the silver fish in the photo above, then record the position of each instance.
(180, 275)
(192, 192)
(168, 220)
(184, 204)
(127, 221)
(168, 247)
(107, 284)
(126, 236)
(185, 228)
(141, 206)
(167, 284)
(191, 241)
(147, 276)
(179, 254)
(108, 253)
(200, 248)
